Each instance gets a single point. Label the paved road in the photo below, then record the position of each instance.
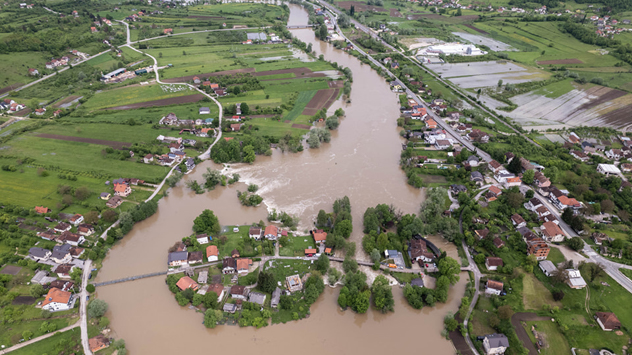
(83, 313)
(477, 282)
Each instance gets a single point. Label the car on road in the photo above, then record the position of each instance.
(87, 298)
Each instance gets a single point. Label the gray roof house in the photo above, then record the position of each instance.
(276, 297)
(256, 297)
(178, 258)
(204, 110)
(230, 307)
(417, 282)
(39, 253)
(476, 176)
(61, 253)
(547, 267)
(495, 344)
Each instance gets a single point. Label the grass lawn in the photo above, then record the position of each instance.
(234, 240)
(626, 272)
(554, 342)
(15, 67)
(556, 89)
(56, 344)
(10, 334)
(534, 294)
(282, 268)
(556, 256)
(297, 246)
(301, 101)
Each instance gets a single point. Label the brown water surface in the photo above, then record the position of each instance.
(361, 162)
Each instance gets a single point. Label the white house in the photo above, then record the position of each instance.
(493, 287)
(76, 220)
(547, 267)
(492, 263)
(254, 233)
(271, 232)
(472, 160)
(202, 238)
(495, 344)
(575, 279)
(212, 253)
(57, 300)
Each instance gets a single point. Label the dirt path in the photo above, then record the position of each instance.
(516, 320)
(587, 300)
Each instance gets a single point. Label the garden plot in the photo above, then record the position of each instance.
(491, 43)
(486, 74)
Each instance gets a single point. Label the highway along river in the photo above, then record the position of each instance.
(361, 162)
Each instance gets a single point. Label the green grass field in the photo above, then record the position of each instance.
(554, 340)
(535, 295)
(131, 95)
(55, 344)
(14, 67)
(297, 246)
(556, 256)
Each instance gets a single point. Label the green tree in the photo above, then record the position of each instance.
(245, 109)
(249, 154)
(344, 228)
(322, 264)
(211, 317)
(27, 334)
(375, 255)
(322, 218)
(90, 288)
(450, 323)
(575, 243)
(266, 282)
(197, 299)
(206, 222)
(505, 312)
(210, 300)
(528, 176)
(36, 290)
(97, 308)
(382, 294)
(449, 268)
(349, 265)
(212, 178)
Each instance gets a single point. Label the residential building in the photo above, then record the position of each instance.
(187, 282)
(178, 258)
(614, 154)
(537, 247)
(442, 144)
(495, 344)
(492, 263)
(498, 243)
(562, 202)
(38, 254)
(64, 270)
(574, 279)
(195, 257)
(293, 283)
(417, 282)
(229, 265)
(533, 204)
(540, 180)
(243, 265)
(257, 297)
(457, 188)
(202, 238)
(495, 166)
(239, 292)
(608, 321)
(608, 169)
(41, 209)
(229, 307)
(482, 233)
(271, 232)
(551, 232)
(512, 181)
(114, 202)
(319, 236)
(73, 239)
(472, 160)
(599, 238)
(493, 287)
(547, 267)
(105, 196)
(62, 227)
(492, 193)
(254, 233)
(580, 155)
(477, 177)
(61, 254)
(419, 251)
(122, 190)
(574, 138)
(218, 289)
(212, 253)
(98, 342)
(85, 229)
(57, 300)
(518, 221)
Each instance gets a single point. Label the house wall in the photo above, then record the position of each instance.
(492, 291)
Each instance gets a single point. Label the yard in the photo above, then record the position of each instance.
(535, 295)
(282, 268)
(553, 339)
(296, 246)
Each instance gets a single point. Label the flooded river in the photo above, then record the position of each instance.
(361, 162)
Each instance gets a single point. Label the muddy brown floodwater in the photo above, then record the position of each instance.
(361, 162)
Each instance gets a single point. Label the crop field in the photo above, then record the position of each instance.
(487, 74)
(532, 38)
(134, 94)
(84, 157)
(146, 115)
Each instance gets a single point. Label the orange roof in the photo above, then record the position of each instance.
(495, 190)
(310, 251)
(228, 138)
(514, 179)
(211, 250)
(568, 201)
(56, 295)
(243, 264)
(320, 236)
(214, 86)
(495, 164)
(327, 250)
(120, 187)
(274, 230)
(431, 122)
(206, 130)
(186, 282)
(41, 209)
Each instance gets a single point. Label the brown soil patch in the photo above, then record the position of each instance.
(360, 6)
(301, 126)
(261, 116)
(454, 19)
(22, 300)
(603, 94)
(459, 341)
(164, 102)
(560, 61)
(333, 98)
(297, 71)
(11, 270)
(477, 29)
(206, 75)
(6, 89)
(318, 102)
(31, 228)
(23, 113)
(113, 144)
(206, 17)
(395, 13)
(65, 100)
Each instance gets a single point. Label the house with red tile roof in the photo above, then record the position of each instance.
(57, 300)
(187, 282)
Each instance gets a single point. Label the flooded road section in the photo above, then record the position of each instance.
(361, 162)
